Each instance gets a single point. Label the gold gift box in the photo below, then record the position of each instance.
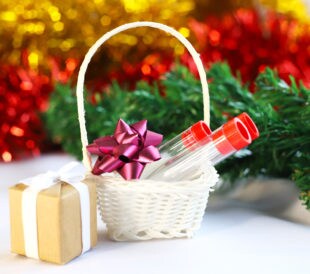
(58, 221)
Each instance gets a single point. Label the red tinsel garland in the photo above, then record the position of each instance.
(23, 94)
(250, 41)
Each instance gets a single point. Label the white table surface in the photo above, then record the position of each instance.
(234, 238)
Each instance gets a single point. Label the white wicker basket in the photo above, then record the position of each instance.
(149, 209)
(146, 209)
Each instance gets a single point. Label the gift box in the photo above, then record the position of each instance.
(53, 221)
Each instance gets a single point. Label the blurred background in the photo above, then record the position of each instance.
(43, 43)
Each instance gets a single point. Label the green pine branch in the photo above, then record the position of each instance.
(280, 111)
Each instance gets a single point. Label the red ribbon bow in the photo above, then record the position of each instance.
(127, 151)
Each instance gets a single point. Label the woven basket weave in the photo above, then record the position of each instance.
(148, 209)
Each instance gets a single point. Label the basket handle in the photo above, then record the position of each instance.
(104, 38)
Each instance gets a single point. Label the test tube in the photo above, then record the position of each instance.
(223, 142)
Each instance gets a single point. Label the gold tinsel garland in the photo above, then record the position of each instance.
(68, 28)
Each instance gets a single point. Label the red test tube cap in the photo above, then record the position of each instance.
(197, 133)
(249, 123)
(233, 136)
(200, 131)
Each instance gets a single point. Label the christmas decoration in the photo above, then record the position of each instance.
(127, 151)
(49, 28)
(65, 29)
(279, 110)
(23, 92)
(250, 41)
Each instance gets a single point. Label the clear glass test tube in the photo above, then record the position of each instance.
(222, 143)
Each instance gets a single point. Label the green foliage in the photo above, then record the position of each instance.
(280, 111)
(282, 115)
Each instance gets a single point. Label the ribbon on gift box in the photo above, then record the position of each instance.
(70, 174)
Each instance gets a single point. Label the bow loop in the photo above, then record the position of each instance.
(152, 138)
(104, 145)
(140, 127)
(131, 170)
(148, 155)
